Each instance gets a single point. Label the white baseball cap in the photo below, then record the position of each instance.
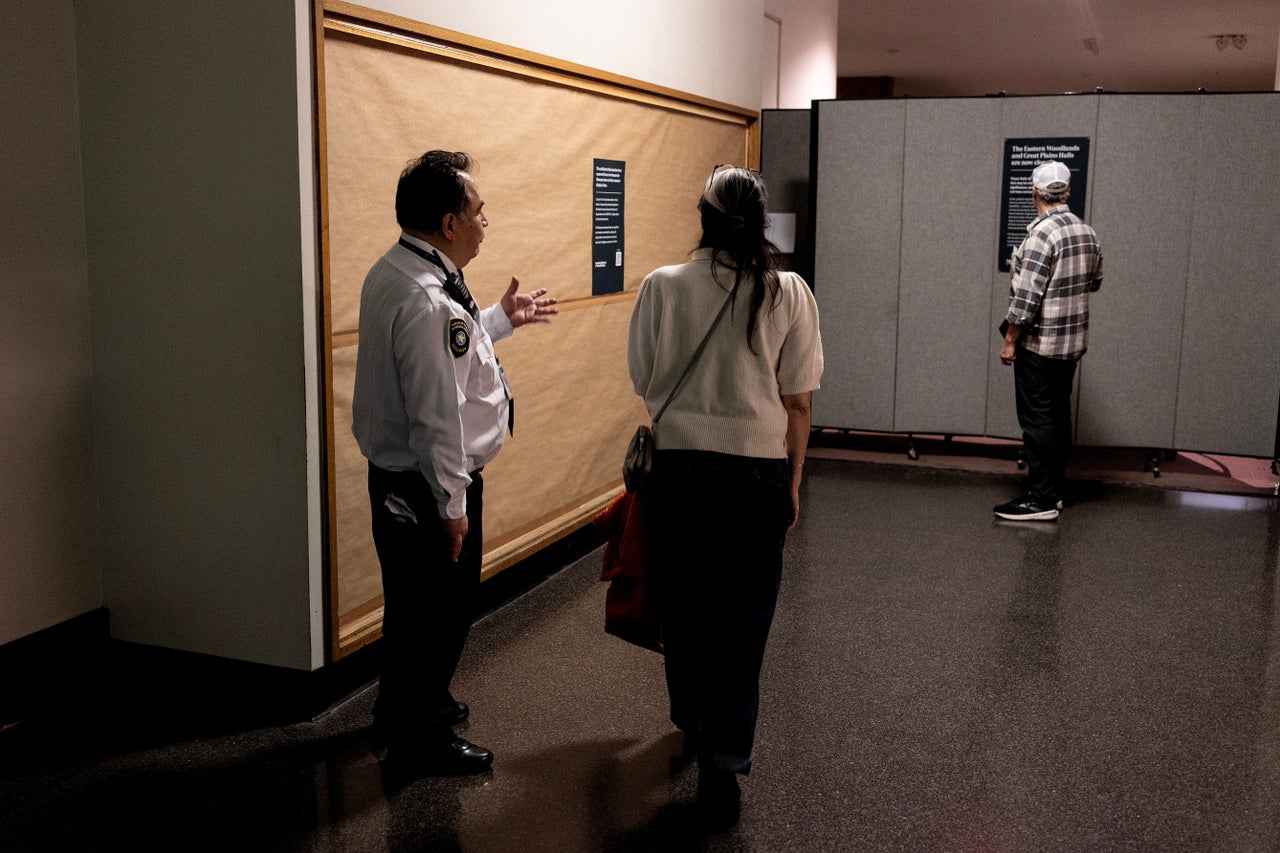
(1051, 177)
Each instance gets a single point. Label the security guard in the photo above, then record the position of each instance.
(431, 409)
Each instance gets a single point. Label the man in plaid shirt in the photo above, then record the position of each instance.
(1054, 270)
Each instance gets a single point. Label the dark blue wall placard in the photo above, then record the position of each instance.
(607, 234)
(1017, 208)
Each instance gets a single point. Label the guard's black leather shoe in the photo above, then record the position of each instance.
(461, 758)
(451, 714)
(454, 714)
(456, 758)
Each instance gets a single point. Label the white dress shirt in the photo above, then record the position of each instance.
(429, 393)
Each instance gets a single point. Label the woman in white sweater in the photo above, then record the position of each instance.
(725, 486)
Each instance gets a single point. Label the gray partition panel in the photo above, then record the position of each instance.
(1185, 334)
(784, 162)
(950, 214)
(1230, 369)
(1059, 115)
(1129, 377)
(858, 223)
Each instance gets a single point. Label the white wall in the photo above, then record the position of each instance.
(770, 63)
(159, 183)
(808, 63)
(708, 48)
(49, 564)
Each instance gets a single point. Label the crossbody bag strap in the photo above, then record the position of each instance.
(693, 360)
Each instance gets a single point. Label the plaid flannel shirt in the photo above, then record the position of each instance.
(1054, 270)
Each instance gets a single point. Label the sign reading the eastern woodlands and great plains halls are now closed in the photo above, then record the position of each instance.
(607, 233)
(1017, 208)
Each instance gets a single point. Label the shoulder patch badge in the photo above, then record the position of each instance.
(459, 337)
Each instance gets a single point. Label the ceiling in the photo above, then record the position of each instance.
(1023, 47)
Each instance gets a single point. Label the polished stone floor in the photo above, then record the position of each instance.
(936, 681)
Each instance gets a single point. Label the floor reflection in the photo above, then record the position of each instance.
(936, 681)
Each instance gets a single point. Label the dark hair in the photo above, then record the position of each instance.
(1054, 198)
(733, 207)
(431, 187)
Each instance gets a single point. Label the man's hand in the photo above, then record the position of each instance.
(455, 530)
(1011, 335)
(532, 307)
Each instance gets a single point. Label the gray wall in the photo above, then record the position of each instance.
(1231, 335)
(944, 328)
(786, 134)
(190, 152)
(858, 228)
(1183, 334)
(1129, 379)
(50, 568)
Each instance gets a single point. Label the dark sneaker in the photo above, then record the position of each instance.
(1025, 509)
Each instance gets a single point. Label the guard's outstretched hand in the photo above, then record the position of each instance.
(532, 307)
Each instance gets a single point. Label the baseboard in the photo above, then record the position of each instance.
(43, 670)
(523, 576)
(77, 668)
(218, 694)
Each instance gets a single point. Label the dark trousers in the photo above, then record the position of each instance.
(1042, 387)
(428, 600)
(716, 527)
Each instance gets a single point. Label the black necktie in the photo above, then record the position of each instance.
(458, 292)
(453, 283)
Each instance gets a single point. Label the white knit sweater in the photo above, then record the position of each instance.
(731, 401)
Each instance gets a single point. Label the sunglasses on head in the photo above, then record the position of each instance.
(723, 166)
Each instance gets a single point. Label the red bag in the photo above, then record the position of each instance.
(628, 613)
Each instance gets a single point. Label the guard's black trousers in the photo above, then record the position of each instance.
(428, 600)
(1042, 387)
